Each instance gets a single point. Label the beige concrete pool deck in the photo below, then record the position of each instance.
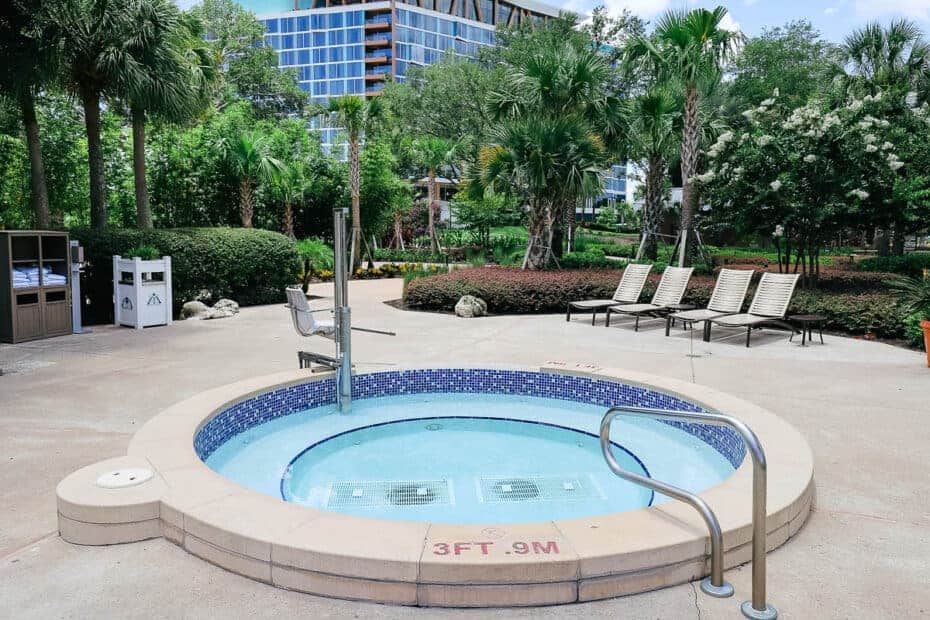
(72, 401)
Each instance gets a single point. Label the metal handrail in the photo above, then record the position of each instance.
(756, 608)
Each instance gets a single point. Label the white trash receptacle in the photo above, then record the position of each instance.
(142, 291)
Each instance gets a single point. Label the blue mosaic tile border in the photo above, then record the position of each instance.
(283, 401)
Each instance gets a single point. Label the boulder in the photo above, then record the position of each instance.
(222, 309)
(470, 306)
(194, 310)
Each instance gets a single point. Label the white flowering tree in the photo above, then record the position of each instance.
(803, 175)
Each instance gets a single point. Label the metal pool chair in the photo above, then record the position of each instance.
(769, 306)
(727, 298)
(304, 321)
(628, 291)
(669, 293)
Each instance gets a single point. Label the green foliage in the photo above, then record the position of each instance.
(591, 259)
(793, 58)
(315, 252)
(913, 293)
(913, 332)
(482, 214)
(381, 190)
(249, 266)
(145, 252)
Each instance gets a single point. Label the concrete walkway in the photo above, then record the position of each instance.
(67, 402)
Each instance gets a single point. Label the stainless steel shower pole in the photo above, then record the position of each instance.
(342, 313)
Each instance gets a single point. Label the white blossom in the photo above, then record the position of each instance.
(776, 93)
(809, 159)
(768, 102)
(738, 171)
(764, 140)
(887, 146)
(895, 165)
(870, 138)
(870, 148)
(854, 105)
(779, 231)
(775, 185)
(859, 193)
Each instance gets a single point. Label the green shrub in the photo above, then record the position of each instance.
(912, 264)
(913, 332)
(410, 256)
(316, 253)
(590, 259)
(248, 265)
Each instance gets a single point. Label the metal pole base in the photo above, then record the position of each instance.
(769, 613)
(722, 591)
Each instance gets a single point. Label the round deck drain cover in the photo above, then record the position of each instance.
(122, 478)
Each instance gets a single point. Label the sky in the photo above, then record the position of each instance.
(834, 18)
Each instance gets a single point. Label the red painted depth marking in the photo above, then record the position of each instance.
(534, 547)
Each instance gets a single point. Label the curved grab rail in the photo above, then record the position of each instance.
(757, 608)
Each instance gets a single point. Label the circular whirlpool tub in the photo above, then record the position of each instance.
(445, 487)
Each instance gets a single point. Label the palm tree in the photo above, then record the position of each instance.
(251, 163)
(432, 154)
(27, 45)
(896, 58)
(549, 162)
(549, 86)
(174, 81)
(688, 49)
(291, 187)
(355, 115)
(98, 36)
(651, 141)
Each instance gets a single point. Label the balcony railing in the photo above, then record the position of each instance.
(377, 87)
(379, 36)
(379, 20)
(379, 54)
(377, 71)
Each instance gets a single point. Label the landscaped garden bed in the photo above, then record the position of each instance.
(855, 303)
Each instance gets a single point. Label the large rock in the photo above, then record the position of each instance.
(222, 309)
(194, 310)
(470, 306)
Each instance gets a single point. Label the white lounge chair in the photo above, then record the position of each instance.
(727, 298)
(304, 321)
(669, 293)
(769, 306)
(628, 291)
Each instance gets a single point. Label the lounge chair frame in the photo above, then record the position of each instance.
(727, 298)
(769, 306)
(628, 291)
(671, 289)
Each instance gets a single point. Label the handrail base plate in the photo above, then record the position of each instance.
(722, 591)
(769, 613)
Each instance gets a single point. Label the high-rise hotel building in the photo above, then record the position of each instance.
(341, 47)
(349, 47)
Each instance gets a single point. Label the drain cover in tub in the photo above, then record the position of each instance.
(122, 478)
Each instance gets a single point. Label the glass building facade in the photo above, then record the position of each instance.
(350, 47)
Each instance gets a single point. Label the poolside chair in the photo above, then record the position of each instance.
(669, 293)
(304, 321)
(769, 306)
(727, 298)
(628, 291)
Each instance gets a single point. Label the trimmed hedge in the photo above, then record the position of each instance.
(912, 264)
(514, 291)
(249, 266)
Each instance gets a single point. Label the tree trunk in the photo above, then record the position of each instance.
(431, 210)
(398, 241)
(289, 219)
(36, 164)
(143, 208)
(246, 206)
(98, 196)
(689, 156)
(570, 218)
(540, 237)
(355, 186)
(881, 243)
(652, 210)
(897, 244)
